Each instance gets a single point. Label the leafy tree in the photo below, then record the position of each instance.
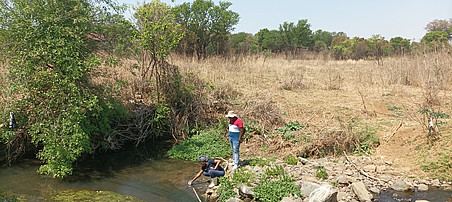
(323, 36)
(435, 38)
(207, 26)
(268, 40)
(379, 47)
(50, 46)
(157, 35)
(400, 45)
(241, 42)
(293, 37)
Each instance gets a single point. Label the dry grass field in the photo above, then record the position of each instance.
(330, 95)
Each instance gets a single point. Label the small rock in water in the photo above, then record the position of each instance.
(422, 187)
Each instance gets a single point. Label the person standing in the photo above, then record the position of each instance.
(235, 136)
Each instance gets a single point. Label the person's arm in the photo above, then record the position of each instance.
(196, 177)
(241, 134)
(217, 162)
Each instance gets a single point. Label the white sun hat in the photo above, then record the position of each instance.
(231, 114)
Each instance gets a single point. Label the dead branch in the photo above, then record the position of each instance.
(360, 170)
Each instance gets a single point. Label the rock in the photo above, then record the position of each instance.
(233, 200)
(291, 199)
(422, 187)
(436, 183)
(374, 190)
(246, 191)
(401, 186)
(370, 168)
(303, 160)
(380, 169)
(341, 196)
(422, 201)
(343, 180)
(385, 178)
(360, 190)
(308, 187)
(326, 193)
(348, 172)
(388, 162)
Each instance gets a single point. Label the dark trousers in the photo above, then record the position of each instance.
(214, 173)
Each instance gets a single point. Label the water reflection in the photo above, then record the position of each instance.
(151, 180)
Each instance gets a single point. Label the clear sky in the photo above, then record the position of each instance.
(362, 18)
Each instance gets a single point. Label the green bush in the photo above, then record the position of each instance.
(276, 171)
(261, 162)
(226, 189)
(208, 142)
(440, 169)
(320, 172)
(274, 191)
(367, 139)
(291, 160)
(242, 176)
(291, 126)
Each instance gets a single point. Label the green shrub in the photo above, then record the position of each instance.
(226, 189)
(320, 172)
(440, 169)
(291, 160)
(276, 171)
(367, 139)
(242, 176)
(291, 126)
(261, 162)
(274, 191)
(208, 142)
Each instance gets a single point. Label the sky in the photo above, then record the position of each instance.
(362, 18)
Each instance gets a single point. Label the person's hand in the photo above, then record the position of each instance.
(190, 182)
(212, 168)
(241, 140)
(227, 138)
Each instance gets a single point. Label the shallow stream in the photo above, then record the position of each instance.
(151, 180)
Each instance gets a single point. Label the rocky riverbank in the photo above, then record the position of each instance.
(354, 178)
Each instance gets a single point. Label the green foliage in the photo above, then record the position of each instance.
(207, 26)
(276, 171)
(291, 160)
(320, 173)
(208, 142)
(440, 169)
(6, 197)
(50, 54)
(394, 108)
(253, 128)
(274, 191)
(157, 31)
(288, 127)
(435, 38)
(261, 162)
(432, 113)
(226, 189)
(89, 195)
(241, 175)
(366, 139)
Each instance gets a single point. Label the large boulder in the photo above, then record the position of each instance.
(325, 193)
(246, 191)
(291, 199)
(233, 200)
(360, 190)
(308, 187)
